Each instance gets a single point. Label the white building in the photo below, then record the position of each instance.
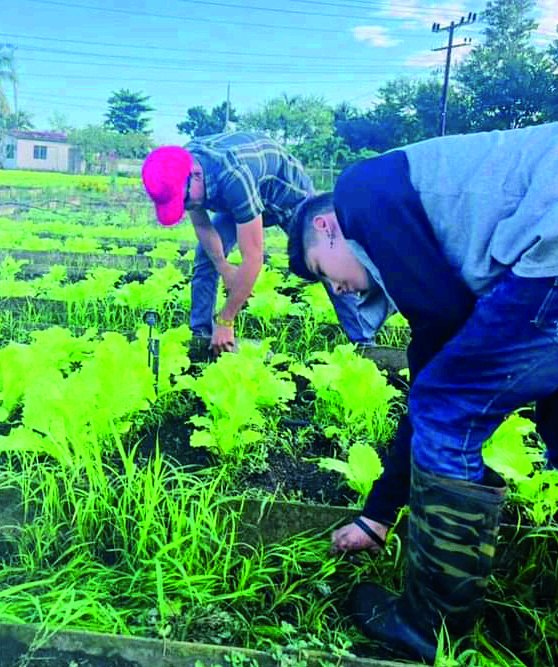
(44, 151)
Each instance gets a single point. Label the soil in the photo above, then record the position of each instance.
(16, 654)
(300, 480)
(295, 479)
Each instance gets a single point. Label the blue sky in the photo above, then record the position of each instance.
(71, 54)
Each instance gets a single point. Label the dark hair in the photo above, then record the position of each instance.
(301, 234)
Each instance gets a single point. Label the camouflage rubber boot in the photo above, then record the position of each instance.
(452, 537)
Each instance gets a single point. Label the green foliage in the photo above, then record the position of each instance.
(507, 452)
(539, 495)
(518, 455)
(20, 121)
(162, 286)
(127, 112)
(353, 397)
(293, 121)
(22, 178)
(235, 390)
(7, 74)
(71, 391)
(361, 469)
(267, 303)
(52, 353)
(320, 308)
(97, 142)
(509, 82)
(200, 122)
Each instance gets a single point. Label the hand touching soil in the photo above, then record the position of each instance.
(352, 537)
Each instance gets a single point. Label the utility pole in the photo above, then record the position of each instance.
(228, 109)
(451, 28)
(12, 48)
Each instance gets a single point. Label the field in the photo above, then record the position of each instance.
(147, 491)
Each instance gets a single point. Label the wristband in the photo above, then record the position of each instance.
(221, 322)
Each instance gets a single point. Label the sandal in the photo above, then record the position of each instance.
(373, 535)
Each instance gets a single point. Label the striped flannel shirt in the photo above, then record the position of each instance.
(248, 174)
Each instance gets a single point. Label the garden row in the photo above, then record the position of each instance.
(179, 564)
(159, 500)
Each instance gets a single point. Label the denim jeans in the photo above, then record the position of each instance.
(204, 291)
(504, 356)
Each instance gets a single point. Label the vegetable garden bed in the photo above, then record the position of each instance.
(139, 515)
(78, 264)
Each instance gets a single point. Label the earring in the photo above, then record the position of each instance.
(330, 235)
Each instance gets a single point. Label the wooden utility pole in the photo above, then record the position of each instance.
(13, 75)
(228, 108)
(451, 28)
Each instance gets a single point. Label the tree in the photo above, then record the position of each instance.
(7, 74)
(127, 112)
(292, 121)
(97, 142)
(345, 111)
(20, 121)
(200, 122)
(509, 82)
(58, 122)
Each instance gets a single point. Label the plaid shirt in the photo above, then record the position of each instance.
(248, 174)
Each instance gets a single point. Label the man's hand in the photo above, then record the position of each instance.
(222, 339)
(351, 538)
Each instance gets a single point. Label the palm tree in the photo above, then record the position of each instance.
(8, 74)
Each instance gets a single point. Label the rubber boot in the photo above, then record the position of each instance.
(453, 529)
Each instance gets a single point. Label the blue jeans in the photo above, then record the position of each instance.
(204, 291)
(504, 356)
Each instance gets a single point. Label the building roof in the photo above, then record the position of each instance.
(58, 137)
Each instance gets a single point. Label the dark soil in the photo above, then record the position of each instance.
(173, 437)
(300, 480)
(291, 478)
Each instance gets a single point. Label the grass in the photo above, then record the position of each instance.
(21, 178)
(172, 565)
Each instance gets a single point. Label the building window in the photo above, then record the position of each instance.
(40, 152)
(10, 151)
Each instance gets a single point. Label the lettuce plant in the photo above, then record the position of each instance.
(162, 286)
(507, 452)
(515, 451)
(317, 304)
(77, 395)
(267, 303)
(236, 389)
(52, 352)
(353, 397)
(361, 469)
(168, 250)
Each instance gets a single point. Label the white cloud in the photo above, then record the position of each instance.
(374, 35)
(547, 18)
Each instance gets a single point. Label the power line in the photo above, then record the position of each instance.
(144, 47)
(169, 63)
(277, 10)
(196, 81)
(226, 22)
(198, 19)
(238, 67)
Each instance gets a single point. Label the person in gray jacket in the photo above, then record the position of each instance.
(460, 234)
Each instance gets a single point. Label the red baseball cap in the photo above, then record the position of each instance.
(164, 174)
